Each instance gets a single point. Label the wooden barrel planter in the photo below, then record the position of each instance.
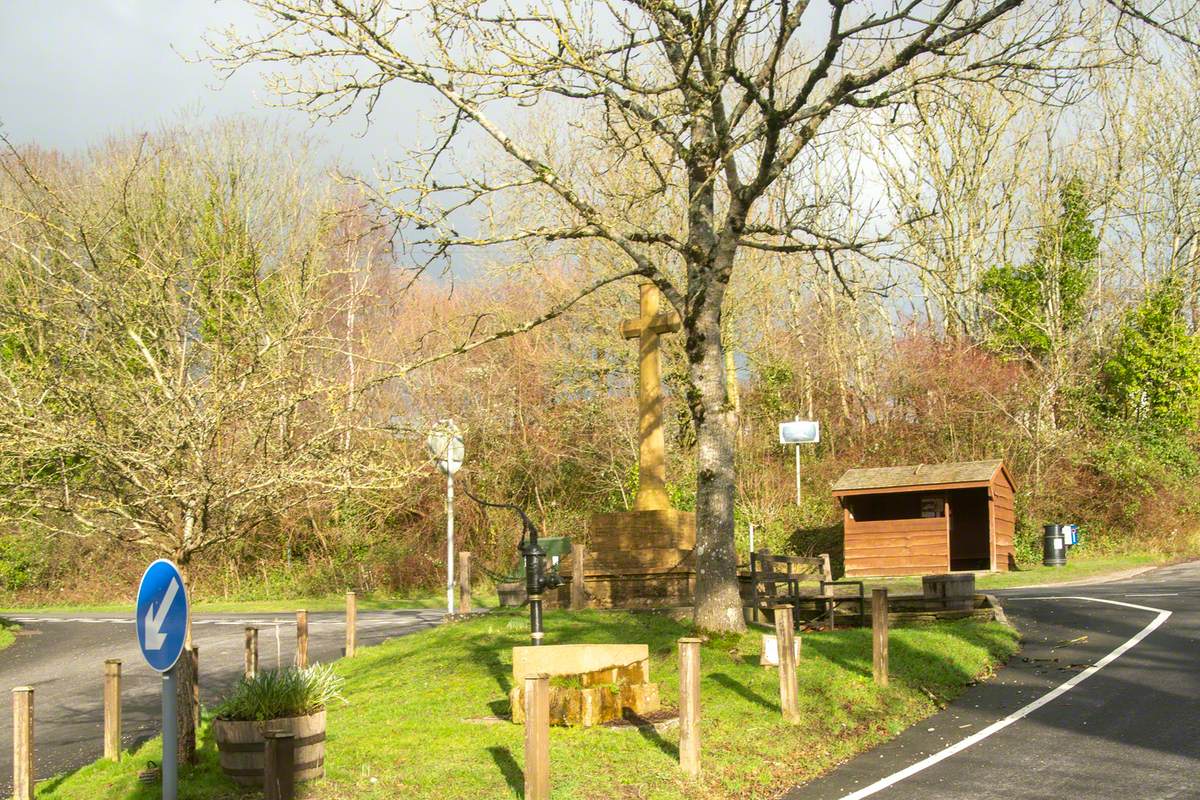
(512, 595)
(241, 746)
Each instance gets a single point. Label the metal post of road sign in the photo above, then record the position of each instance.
(445, 446)
(170, 737)
(162, 617)
(798, 432)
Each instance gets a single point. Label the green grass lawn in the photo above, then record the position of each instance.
(485, 598)
(1076, 569)
(412, 725)
(7, 636)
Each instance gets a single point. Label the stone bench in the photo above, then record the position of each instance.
(601, 681)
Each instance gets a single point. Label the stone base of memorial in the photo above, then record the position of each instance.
(590, 684)
(638, 559)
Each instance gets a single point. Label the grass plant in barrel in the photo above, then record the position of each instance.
(291, 700)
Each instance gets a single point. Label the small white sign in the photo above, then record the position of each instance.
(445, 446)
(800, 431)
(770, 650)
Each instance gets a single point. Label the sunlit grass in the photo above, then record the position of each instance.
(417, 726)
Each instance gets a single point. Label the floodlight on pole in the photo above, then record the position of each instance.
(797, 432)
(445, 446)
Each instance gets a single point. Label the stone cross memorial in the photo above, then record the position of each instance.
(643, 558)
(652, 461)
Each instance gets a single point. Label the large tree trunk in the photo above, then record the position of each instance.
(718, 602)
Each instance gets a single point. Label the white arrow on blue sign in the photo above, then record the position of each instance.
(162, 615)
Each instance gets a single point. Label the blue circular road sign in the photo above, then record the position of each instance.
(162, 615)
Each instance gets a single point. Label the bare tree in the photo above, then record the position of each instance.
(169, 378)
(714, 102)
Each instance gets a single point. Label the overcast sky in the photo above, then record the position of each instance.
(79, 71)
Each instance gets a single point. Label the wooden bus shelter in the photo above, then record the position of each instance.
(927, 518)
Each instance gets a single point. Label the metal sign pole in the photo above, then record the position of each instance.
(797, 474)
(170, 738)
(450, 542)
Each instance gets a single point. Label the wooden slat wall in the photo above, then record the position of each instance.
(896, 547)
(1005, 516)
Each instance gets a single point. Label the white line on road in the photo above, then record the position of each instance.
(1058, 691)
(1155, 594)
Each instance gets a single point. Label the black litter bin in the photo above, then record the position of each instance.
(1054, 548)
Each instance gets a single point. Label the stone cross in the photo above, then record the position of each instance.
(652, 467)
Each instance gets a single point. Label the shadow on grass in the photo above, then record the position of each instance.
(489, 657)
(909, 661)
(648, 732)
(203, 779)
(745, 692)
(509, 768)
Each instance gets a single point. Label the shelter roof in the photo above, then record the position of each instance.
(918, 475)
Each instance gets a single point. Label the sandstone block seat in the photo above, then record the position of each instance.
(595, 682)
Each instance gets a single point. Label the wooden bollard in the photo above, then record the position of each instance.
(879, 635)
(251, 667)
(279, 777)
(195, 656)
(464, 583)
(23, 743)
(689, 707)
(537, 737)
(578, 590)
(112, 709)
(789, 701)
(302, 639)
(351, 623)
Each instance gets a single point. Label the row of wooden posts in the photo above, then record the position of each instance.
(537, 693)
(537, 696)
(23, 743)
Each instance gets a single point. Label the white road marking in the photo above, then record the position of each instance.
(1155, 594)
(1025, 711)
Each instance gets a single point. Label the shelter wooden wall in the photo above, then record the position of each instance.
(896, 546)
(1004, 523)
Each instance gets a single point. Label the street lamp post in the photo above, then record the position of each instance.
(445, 446)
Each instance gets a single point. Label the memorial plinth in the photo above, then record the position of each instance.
(641, 559)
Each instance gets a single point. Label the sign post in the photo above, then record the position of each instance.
(798, 432)
(162, 618)
(445, 446)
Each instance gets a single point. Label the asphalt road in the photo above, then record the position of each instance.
(62, 656)
(1103, 703)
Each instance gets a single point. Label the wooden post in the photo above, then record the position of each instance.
(251, 668)
(879, 634)
(22, 743)
(112, 709)
(302, 639)
(464, 582)
(195, 656)
(788, 691)
(578, 590)
(351, 623)
(537, 737)
(689, 707)
(279, 777)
